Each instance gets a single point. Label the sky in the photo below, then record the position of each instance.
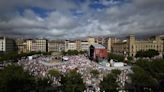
(66, 19)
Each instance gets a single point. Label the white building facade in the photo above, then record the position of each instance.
(7, 45)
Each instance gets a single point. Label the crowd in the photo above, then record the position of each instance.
(40, 67)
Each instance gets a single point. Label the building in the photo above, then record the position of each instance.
(21, 45)
(56, 46)
(109, 47)
(29, 45)
(91, 40)
(79, 45)
(84, 45)
(120, 48)
(131, 46)
(102, 40)
(36, 45)
(72, 45)
(7, 45)
(162, 37)
(110, 42)
(40, 45)
(97, 52)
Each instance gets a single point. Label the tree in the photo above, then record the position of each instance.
(154, 68)
(148, 53)
(95, 73)
(14, 78)
(130, 58)
(44, 85)
(75, 52)
(72, 82)
(147, 76)
(63, 52)
(141, 81)
(161, 84)
(110, 83)
(115, 57)
(72, 52)
(14, 56)
(82, 52)
(140, 54)
(54, 73)
(151, 53)
(1, 59)
(116, 72)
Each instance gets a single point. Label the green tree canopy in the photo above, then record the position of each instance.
(72, 52)
(63, 52)
(95, 73)
(116, 72)
(148, 76)
(119, 58)
(110, 83)
(148, 53)
(142, 81)
(54, 73)
(14, 56)
(14, 78)
(44, 85)
(72, 82)
(82, 52)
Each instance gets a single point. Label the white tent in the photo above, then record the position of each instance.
(30, 57)
(65, 58)
(118, 64)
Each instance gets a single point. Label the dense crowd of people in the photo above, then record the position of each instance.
(40, 66)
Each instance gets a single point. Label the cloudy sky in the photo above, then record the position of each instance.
(60, 19)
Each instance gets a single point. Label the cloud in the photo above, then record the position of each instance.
(60, 21)
(46, 4)
(116, 18)
(29, 20)
(149, 3)
(31, 25)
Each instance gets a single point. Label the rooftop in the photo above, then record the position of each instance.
(98, 46)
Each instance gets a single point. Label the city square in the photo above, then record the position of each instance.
(81, 45)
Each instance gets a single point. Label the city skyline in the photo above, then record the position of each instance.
(66, 19)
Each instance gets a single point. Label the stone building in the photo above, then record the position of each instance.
(132, 45)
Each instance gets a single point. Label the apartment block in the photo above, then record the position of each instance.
(80, 45)
(84, 45)
(56, 46)
(40, 45)
(7, 45)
